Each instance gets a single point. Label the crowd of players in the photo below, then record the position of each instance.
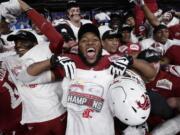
(62, 77)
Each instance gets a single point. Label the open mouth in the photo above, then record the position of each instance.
(91, 52)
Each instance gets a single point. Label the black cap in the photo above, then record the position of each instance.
(126, 27)
(66, 31)
(149, 55)
(72, 3)
(111, 34)
(3, 19)
(23, 34)
(115, 15)
(159, 27)
(88, 28)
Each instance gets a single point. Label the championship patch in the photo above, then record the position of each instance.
(95, 103)
(164, 84)
(86, 95)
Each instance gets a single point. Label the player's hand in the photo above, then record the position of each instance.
(66, 63)
(137, 2)
(14, 7)
(119, 65)
(10, 9)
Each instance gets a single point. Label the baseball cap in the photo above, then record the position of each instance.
(126, 27)
(159, 27)
(66, 32)
(110, 34)
(88, 27)
(149, 55)
(22, 34)
(72, 3)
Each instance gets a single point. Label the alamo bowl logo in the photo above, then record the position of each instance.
(86, 95)
(144, 104)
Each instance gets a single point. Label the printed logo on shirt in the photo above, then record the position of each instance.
(94, 102)
(86, 95)
(164, 84)
(87, 113)
(16, 70)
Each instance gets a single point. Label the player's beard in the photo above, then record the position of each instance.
(99, 55)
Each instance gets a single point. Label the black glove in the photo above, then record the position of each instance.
(66, 63)
(119, 65)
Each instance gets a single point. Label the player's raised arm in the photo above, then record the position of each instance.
(56, 39)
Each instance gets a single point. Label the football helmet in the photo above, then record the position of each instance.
(129, 100)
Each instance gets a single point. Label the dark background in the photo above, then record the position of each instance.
(60, 5)
(55, 9)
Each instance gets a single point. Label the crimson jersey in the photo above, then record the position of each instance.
(10, 104)
(165, 84)
(174, 31)
(173, 55)
(103, 63)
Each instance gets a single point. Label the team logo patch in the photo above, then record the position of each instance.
(123, 48)
(177, 34)
(134, 47)
(164, 84)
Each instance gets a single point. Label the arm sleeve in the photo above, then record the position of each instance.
(56, 39)
(44, 77)
(173, 31)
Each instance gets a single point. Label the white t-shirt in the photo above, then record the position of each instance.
(76, 29)
(40, 102)
(86, 100)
